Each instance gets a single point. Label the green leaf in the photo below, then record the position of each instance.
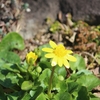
(96, 98)
(59, 83)
(83, 94)
(8, 67)
(2, 95)
(63, 96)
(79, 64)
(2, 76)
(25, 97)
(73, 77)
(89, 81)
(12, 41)
(10, 57)
(2, 62)
(45, 64)
(44, 77)
(14, 95)
(27, 85)
(61, 71)
(55, 27)
(93, 97)
(85, 71)
(41, 97)
(8, 80)
(41, 53)
(60, 86)
(37, 92)
(73, 87)
(32, 92)
(13, 77)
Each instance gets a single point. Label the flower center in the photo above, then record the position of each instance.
(60, 51)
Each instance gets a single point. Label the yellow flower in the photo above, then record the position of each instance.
(31, 58)
(59, 54)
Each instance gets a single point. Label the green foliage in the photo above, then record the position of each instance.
(41, 97)
(27, 85)
(83, 94)
(41, 81)
(10, 57)
(25, 6)
(63, 96)
(89, 81)
(10, 42)
(55, 27)
(44, 78)
(79, 64)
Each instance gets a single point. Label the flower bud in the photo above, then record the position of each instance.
(60, 77)
(39, 69)
(31, 58)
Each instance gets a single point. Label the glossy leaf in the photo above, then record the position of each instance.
(9, 67)
(41, 97)
(60, 86)
(61, 71)
(89, 81)
(93, 97)
(79, 64)
(12, 41)
(10, 57)
(86, 72)
(44, 77)
(45, 64)
(63, 96)
(2, 94)
(27, 85)
(73, 87)
(8, 80)
(37, 92)
(83, 94)
(26, 96)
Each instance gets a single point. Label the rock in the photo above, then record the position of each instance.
(86, 10)
(33, 20)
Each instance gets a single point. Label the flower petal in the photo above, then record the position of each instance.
(71, 58)
(53, 44)
(66, 63)
(47, 49)
(60, 62)
(49, 55)
(69, 51)
(54, 61)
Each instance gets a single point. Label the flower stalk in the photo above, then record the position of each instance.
(50, 83)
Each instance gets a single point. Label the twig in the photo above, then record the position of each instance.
(87, 53)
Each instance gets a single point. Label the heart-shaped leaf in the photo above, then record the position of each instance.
(27, 85)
